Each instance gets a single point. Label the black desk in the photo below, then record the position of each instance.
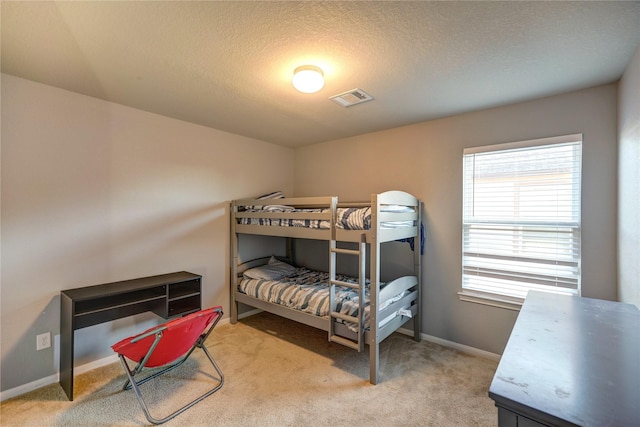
(167, 295)
(570, 361)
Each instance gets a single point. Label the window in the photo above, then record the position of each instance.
(521, 220)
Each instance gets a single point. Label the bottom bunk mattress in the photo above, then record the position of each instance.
(308, 291)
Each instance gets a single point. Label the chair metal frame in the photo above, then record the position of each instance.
(157, 331)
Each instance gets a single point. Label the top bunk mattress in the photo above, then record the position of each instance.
(396, 210)
(346, 218)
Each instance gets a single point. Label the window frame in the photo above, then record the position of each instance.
(497, 299)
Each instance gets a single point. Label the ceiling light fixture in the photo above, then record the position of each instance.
(308, 78)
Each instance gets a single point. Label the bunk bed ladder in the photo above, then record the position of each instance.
(360, 286)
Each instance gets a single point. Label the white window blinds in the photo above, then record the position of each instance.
(521, 217)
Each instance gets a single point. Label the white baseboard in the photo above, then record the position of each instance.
(52, 379)
(454, 345)
(26, 388)
(96, 364)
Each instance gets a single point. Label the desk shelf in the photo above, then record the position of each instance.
(183, 306)
(118, 309)
(183, 298)
(94, 306)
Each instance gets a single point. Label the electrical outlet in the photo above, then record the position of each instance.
(43, 341)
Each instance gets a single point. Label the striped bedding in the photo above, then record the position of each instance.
(346, 218)
(308, 291)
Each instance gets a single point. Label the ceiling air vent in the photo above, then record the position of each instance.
(352, 97)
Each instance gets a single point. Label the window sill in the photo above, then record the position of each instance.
(493, 300)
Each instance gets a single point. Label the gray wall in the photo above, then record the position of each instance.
(629, 183)
(94, 192)
(426, 160)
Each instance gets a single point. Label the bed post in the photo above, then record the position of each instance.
(233, 271)
(374, 280)
(417, 266)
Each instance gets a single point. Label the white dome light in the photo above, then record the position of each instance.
(308, 79)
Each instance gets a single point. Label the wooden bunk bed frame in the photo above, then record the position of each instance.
(371, 238)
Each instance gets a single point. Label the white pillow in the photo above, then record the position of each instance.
(273, 270)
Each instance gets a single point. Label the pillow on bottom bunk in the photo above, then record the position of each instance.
(273, 270)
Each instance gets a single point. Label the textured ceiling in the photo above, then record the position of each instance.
(228, 65)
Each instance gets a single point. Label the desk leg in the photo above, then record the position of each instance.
(66, 345)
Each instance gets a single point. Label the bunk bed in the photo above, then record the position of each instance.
(353, 310)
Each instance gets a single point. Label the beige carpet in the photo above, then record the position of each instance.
(280, 373)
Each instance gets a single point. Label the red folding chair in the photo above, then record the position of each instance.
(168, 345)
